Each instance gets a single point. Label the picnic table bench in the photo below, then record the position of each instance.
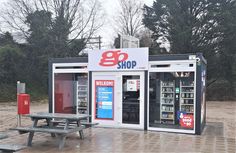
(49, 130)
(3, 136)
(10, 148)
(54, 129)
(85, 124)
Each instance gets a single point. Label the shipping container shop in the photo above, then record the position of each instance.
(127, 88)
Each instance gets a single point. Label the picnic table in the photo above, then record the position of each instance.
(60, 131)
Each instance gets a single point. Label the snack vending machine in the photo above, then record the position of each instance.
(177, 93)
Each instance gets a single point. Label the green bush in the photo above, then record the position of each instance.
(7, 92)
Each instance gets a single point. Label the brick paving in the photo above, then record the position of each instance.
(219, 135)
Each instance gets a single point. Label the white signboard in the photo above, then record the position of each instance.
(125, 59)
(132, 85)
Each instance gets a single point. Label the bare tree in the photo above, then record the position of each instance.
(83, 17)
(129, 19)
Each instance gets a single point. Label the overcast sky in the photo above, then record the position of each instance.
(107, 32)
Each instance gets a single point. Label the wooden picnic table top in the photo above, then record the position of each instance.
(46, 115)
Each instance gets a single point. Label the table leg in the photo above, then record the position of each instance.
(62, 138)
(30, 139)
(66, 125)
(81, 133)
(50, 124)
(31, 134)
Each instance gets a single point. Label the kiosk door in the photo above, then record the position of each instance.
(132, 100)
(118, 99)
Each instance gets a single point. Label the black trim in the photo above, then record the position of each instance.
(204, 61)
(90, 95)
(200, 65)
(169, 57)
(204, 117)
(50, 86)
(145, 98)
(69, 60)
(198, 99)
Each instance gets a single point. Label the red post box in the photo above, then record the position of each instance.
(23, 104)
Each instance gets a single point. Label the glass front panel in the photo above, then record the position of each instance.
(70, 93)
(81, 89)
(171, 100)
(131, 99)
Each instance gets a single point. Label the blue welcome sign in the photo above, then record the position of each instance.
(104, 99)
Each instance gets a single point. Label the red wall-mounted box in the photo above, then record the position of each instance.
(23, 104)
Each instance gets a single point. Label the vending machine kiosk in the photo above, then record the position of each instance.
(68, 86)
(126, 88)
(177, 85)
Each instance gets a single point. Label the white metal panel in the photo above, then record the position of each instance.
(70, 71)
(172, 66)
(69, 64)
(171, 130)
(66, 67)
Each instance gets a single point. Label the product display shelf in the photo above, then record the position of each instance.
(167, 111)
(187, 97)
(82, 95)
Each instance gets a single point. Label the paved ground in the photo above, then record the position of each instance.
(218, 136)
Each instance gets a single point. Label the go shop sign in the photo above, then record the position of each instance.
(125, 59)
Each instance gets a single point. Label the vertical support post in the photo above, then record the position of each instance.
(31, 134)
(81, 133)
(18, 115)
(20, 89)
(18, 120)
(99, 42)
(121, 41)
(62, 138)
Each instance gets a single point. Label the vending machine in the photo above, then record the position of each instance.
(177, 93)
(69, 86)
